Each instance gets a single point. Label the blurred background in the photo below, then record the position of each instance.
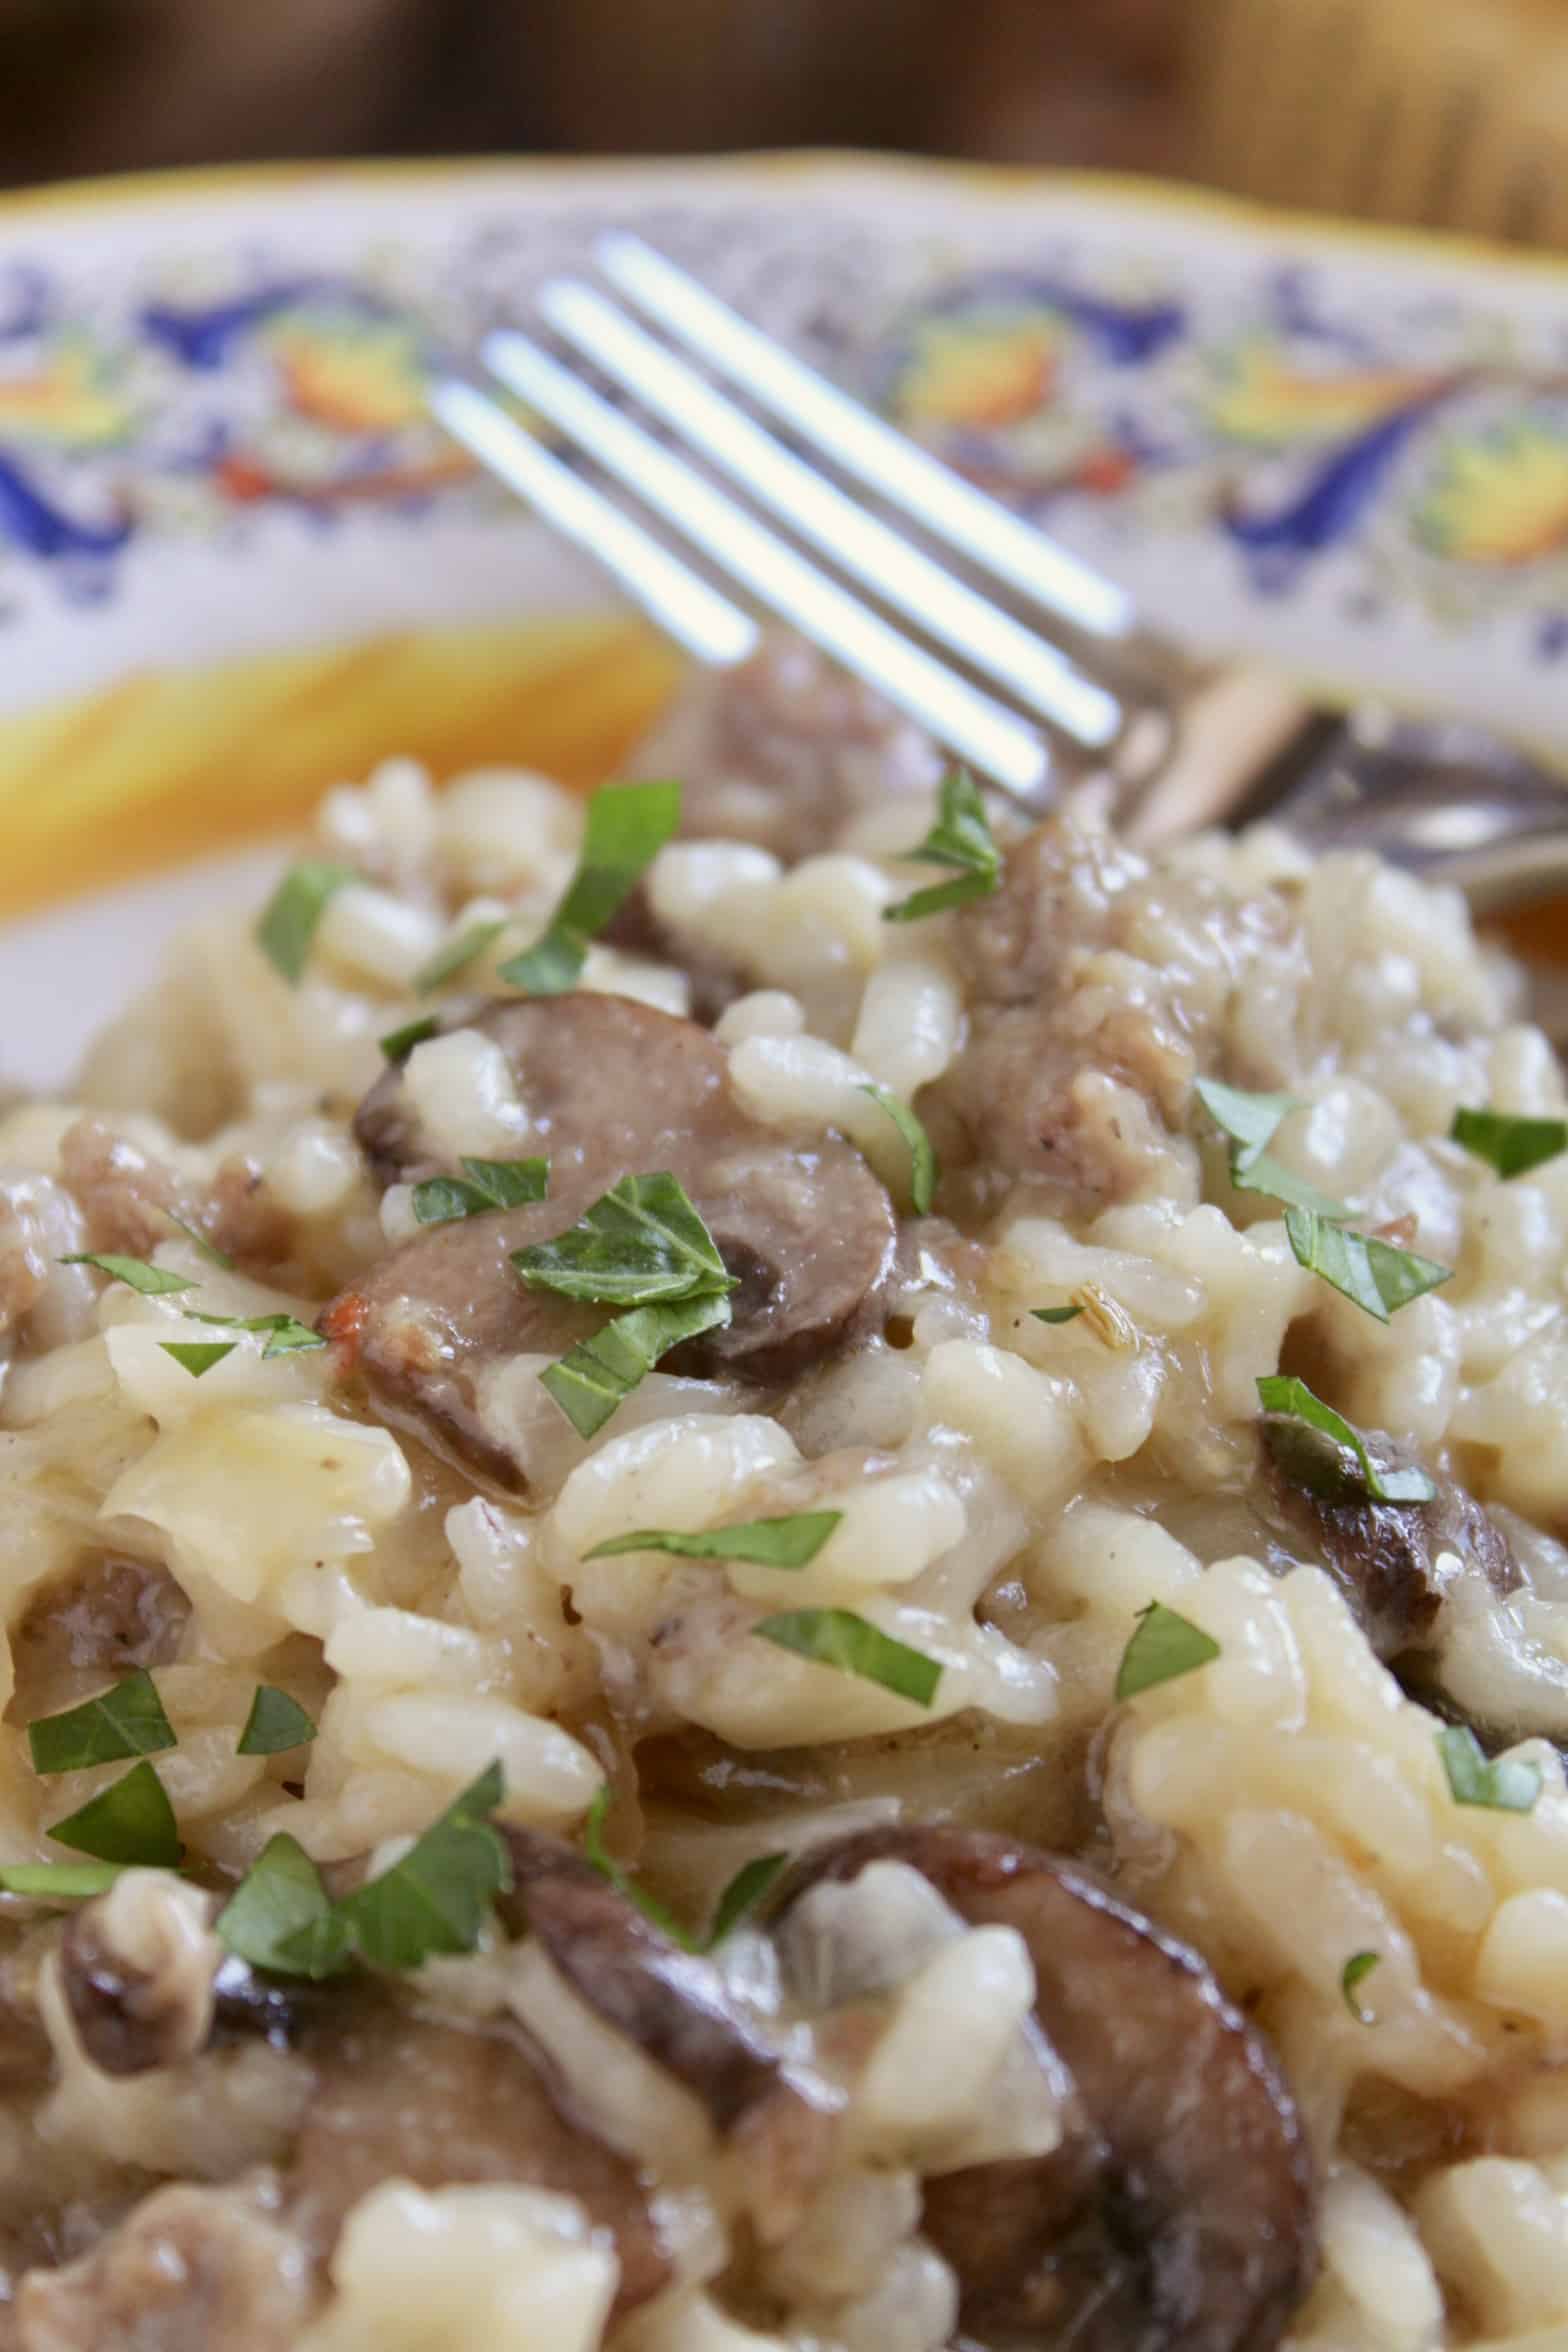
(1450, 113)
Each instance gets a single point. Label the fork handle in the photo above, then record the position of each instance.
(1233, 723)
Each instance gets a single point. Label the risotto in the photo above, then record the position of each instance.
(784, 1573)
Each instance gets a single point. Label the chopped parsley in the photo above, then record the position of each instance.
(1058, 1314)
(961, 840)
(198, 1355)
(752, 1883)
(209, 1249)
(1510, 1145)
(1291, 1398)
(127, 1720)
(58, 1882)
(1510, 1784)
(275, 1723)
(791, 1542)
(398, 1044)
(1250, 1121)
(1163, 1646)
(280, 1898)
(288, 921)
(1355, 1972)
(457, 953)
(627, 826)
(483, 1185)
(286, 1335)
(136, 1273)
(840, 1638)
(592, 1380)
(649, 1905)
(1372, 1274)
(641, 1241)
(922, 1159)
(131, 1821)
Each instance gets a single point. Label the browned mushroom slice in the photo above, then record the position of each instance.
(1386, 1556)
(612, 1088)
(405, 2098)
(675, 2007)
(1178, 2217)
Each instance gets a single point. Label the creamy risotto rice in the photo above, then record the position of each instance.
(669, 1685)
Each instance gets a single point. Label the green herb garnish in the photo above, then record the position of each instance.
(131, 1821)
(198, 1355)
(1280, 1393)
(641, 1241)
(209, 1249)
(398, 1044)
(1371, 1273)
(280, 1899)
(1511, 1784)
(1510, 1145)
(1250, 1121)
(286, 1335)
(275, 1723)
(751, 1883)
(1163, 1646)
(289, 919)
(592, 1379)
(58, 1882)
(436, 1899)
(790, 1542)
(840, 1638)
(960, 839)
(622, 1881)
(1356, 1969)
(1057, 1314)
(136, 1273)
(627, 826)
(483, 1185)
(922, 1159)
(127, 1720)
(449, 960)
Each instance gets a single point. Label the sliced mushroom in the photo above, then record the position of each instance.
(405, 2098)
(1178, 2215)
(612, 1088)
(137, 1966)
(1387, 1557)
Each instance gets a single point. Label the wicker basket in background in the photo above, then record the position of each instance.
(1436, 113)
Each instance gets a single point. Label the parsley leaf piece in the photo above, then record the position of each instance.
(484, 1184)
(58, 1882)
(1510, 1145)
(398, 1044)
(1057, 1314)
(198, 1355)
(131, 1821)
(286, 1335)
(1163, 1646)
(961, 839)
(289, 919)
(628, 825)
(1510, 1784)
(1280, 1393)
(622, 1881)
(1355, 1971)
(751, 1883)
(592, 1379)
(275, 1723)
(127, 1720)
(451, 959)
(641, 1241)
(436, 1899)
(1250, 1121)
(922, 1159)
(1371, 1273)
(838, 1637)
(209, 1249)
(279, 1899)
(135, 1273)
(789, 1542)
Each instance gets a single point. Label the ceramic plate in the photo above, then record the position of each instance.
(238, 563)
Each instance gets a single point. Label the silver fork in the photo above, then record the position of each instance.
(1060, 678)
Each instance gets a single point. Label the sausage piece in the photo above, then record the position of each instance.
(1178, 2214)
(612, 1088)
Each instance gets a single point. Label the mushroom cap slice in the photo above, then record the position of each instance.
(612, 1088)
(1179, 2217)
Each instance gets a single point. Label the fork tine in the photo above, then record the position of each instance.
(697, 616)
(863, 445)
(978, 729)
(1038, 673)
